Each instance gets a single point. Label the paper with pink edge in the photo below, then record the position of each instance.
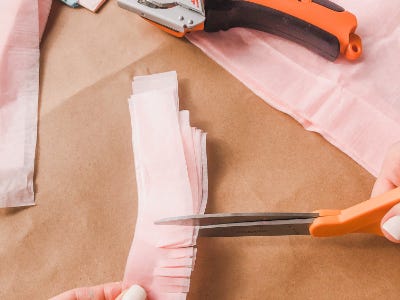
(354, 105)
(22, 23)
(171, 175)
(92, 5)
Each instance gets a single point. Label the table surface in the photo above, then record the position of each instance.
(260, 159)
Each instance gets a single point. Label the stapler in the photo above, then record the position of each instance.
(319, 25)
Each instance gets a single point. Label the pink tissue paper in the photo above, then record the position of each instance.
(22, 23)
(354, 105)
(171, 175)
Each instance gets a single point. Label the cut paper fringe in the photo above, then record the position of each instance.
(171, 175)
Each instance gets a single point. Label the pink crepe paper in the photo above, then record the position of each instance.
(171, 176)
(354, 105)
(22, 23)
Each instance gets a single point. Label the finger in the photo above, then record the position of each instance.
(389, 177)
(135, 292)
(381, 186)
(107, 291)
(391, 224)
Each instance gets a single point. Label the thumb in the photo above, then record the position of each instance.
(391, 224)
(135, 292)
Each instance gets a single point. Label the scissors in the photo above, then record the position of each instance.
(364, 217)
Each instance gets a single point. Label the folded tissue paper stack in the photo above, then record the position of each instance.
(171, 175)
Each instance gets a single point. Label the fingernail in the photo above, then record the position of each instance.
(392, 226)
(135, 292)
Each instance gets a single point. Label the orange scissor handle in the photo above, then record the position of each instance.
(364, 217)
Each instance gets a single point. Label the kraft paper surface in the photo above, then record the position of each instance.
(259, 159)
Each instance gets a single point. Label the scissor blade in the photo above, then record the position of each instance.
(225, 218)
(262, 228)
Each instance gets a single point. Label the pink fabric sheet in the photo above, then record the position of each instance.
(171, 176)
(354, 105)
(22, 23)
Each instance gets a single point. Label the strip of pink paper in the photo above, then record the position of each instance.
(354, 105)
(171, 176)
(22, 23)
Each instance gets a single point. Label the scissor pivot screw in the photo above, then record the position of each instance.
(181, 18)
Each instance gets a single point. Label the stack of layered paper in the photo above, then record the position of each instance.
(171, 175)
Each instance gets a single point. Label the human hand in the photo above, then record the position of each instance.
(389, 178)
(108, 291)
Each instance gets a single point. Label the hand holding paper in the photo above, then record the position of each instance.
(171, 175)
(108, 291)
(389, 178)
